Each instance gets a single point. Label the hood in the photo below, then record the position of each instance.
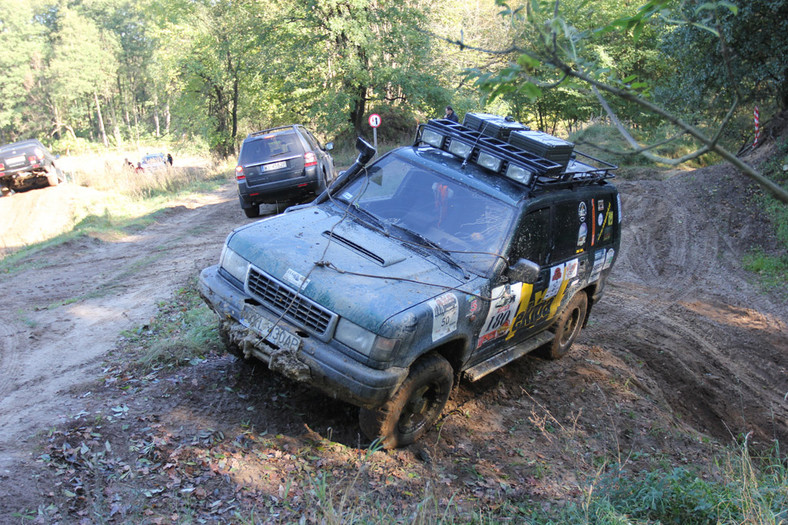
(361, 274)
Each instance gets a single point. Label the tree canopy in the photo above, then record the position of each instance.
(114, 70)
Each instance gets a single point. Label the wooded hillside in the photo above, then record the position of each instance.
(111, 71)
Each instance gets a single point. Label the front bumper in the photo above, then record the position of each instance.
(314, 362)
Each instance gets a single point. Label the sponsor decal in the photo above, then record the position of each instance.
(581, 235)
(599, 261)
(505, 300)
(445, 312)
(618, 206)
(571, 269)
(581, 211)
(556, 280)
(296, 279)
(599, 220)
(609, 258)
(539, 306)
(474, 305)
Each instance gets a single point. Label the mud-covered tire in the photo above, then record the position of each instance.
(414, 408)
(231, 347)
(52, 177)
(252, 212)
(568, 325)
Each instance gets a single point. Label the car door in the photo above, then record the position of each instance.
(507, 320)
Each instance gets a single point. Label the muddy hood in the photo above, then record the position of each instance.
(347, 267)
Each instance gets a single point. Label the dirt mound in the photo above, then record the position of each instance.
(684, 348)
(37, 215)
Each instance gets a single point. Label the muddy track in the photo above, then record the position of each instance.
(65, 310)
(680, 318)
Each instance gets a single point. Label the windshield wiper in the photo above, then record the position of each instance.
(441, 252)
(378, 222)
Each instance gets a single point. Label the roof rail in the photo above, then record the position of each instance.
(269, 130)
(546, 172)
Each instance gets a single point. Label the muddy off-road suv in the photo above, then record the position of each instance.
(26, 165)
(444, 260)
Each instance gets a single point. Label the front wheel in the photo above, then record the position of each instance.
(414, 408)
(568, 325)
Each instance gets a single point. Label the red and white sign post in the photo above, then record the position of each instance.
(757, 117)
(375, 121)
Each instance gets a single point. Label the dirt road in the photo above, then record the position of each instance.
(66, 308)
(684, 338)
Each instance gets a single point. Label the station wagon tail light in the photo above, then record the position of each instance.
(239, 173)
(310, 159)
(2, 166)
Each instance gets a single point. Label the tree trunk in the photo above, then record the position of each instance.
(100, 120)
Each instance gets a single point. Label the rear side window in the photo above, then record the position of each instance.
(260, 149)
(569, 233)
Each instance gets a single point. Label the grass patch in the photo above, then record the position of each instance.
(183, 332)
(772, 267)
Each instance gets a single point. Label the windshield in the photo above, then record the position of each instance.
(269, 146)
(469, 224)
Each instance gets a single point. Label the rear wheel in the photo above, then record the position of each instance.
(568, 325)
(252, 212)
(414, 408)
(53, 177)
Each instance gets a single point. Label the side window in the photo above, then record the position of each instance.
(532, 240)
(567, 231)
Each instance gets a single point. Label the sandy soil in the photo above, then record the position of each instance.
(685, 350)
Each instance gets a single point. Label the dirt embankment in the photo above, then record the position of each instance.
(684, 344)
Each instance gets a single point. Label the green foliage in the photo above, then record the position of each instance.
(183, 332)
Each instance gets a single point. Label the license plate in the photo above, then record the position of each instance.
(272, 333)
(275, 166)
(13, 161)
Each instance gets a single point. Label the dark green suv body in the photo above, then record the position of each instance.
(442, 260)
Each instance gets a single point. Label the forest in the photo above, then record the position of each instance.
(209, 71)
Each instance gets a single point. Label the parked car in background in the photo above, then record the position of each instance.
(154, 161)
(26, 165)
(283, 164)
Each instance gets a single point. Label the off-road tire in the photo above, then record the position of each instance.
(53, 177)
(414, 408)
(568, 325)
(252, 212)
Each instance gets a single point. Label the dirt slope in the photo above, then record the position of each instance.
(682, 343)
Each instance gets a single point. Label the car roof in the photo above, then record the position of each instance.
(290, 128)
(23, 143)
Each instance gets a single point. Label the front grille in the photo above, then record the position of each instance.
(280, 298)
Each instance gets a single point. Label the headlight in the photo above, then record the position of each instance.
(363, 340)
(234, 264)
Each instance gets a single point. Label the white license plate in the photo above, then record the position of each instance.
(273, 334)
(14, 161)
(275, 166)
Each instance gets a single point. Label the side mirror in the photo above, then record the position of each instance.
(329, 146)
(524, 271)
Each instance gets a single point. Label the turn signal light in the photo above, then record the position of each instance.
(310, 159)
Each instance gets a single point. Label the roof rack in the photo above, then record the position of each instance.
(270, 130)
(545, 172)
